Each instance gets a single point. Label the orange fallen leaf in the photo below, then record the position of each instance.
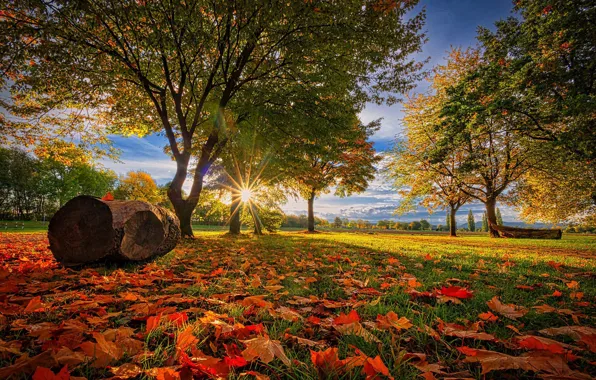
(374, 367)
(488, 317)
(42, 373)
(265, 349)
(344, 319)
(391, 320)
(508, 310)
(126, 371)
(185, 339)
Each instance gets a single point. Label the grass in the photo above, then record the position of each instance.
(362, 272)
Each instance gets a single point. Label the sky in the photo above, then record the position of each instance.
(449, 23)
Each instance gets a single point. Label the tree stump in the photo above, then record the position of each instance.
(87, 229)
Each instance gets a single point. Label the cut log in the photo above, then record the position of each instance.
(527, 233)
(87, 229)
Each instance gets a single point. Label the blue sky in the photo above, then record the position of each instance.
(448, 23)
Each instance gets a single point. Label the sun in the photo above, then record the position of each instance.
(246, 195)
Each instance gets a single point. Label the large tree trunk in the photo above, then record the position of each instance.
(183, 207)
(491, 215)
(235, 210)
(452, 222)
(88, 229)
(311, 212)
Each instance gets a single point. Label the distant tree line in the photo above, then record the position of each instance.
(33, 188)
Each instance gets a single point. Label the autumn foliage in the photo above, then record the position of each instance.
(219, 309)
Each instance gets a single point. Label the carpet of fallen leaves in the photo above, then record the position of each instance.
(301, 306)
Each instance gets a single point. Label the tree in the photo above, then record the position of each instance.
(421, 178)
(337, 222)
(538, 71)
(448, 221)
(545, 60)
(471, 221)
(137, 186)
(556, 195)
(194, 69)
(425, 225)
(491, 157)
(484, 222)
(499, 218)
(345, 162)
(415, 226)
(31, 187)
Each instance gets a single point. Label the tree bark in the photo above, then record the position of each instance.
(491, 215)
(452, 222)
(311, 212)
(258, 230)
(87, 229)
(235, 210)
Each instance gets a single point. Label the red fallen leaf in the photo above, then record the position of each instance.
(374, 367)
(556, 293)
(344, 319)
(107, 197)
(537, 343)
(555, 265)
(428, 257)
(314, 320)
(488, 317)
(456, 291)
(42, 373)
(234, 358)
(216, 272)
(204, 365)
(178, 319)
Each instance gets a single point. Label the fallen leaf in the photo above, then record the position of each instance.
(391, 320)
(126, 371)
(510, 311)
(42, 373)
(265, 349)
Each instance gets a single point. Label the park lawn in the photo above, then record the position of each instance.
(277, 298)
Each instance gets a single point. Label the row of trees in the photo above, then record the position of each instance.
(509, 121)
(32, 188)
(292, 76)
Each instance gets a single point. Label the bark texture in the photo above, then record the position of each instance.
(87, 229)
(452, 222)
(311, 213)
(526, 233)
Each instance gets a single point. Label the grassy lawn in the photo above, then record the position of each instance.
(291, 287)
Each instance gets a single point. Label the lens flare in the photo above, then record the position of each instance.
(246, 195)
